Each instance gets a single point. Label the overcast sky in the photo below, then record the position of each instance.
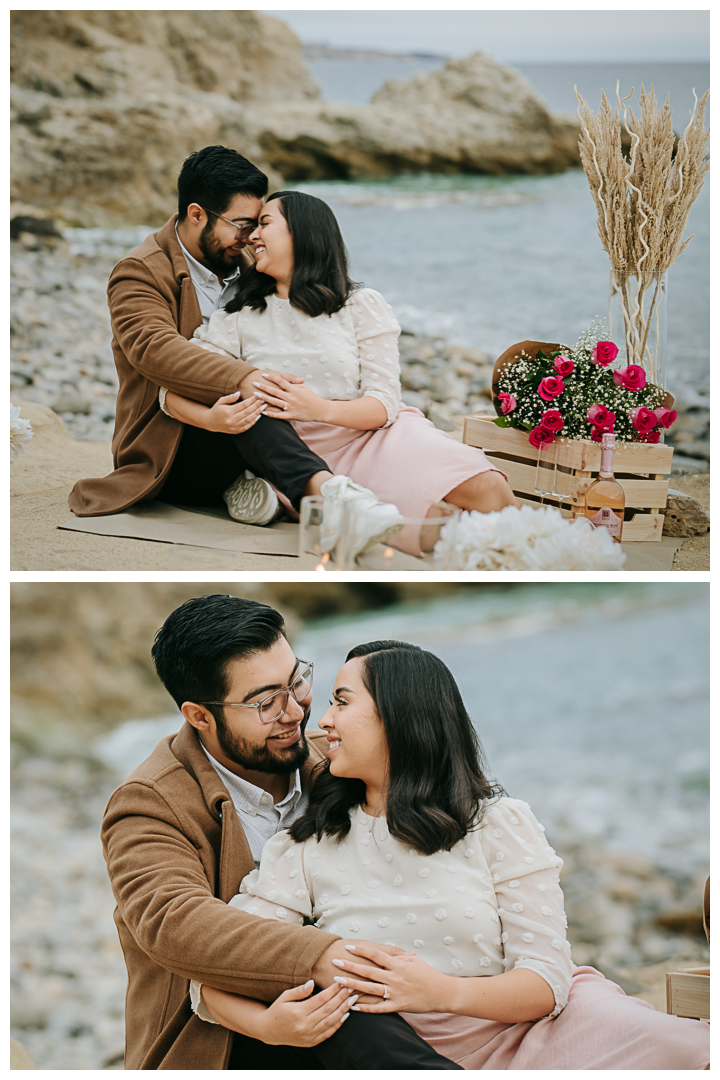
(514, 35)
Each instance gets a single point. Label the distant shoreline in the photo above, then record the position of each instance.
(330, 52)
(314, 52)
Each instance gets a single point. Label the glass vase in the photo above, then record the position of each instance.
(637, 317)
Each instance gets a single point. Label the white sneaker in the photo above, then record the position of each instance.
(252, 500)
(372, 521)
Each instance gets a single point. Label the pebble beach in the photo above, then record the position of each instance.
(61, 340)
(61, 355)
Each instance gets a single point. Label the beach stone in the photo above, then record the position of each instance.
(684, 515)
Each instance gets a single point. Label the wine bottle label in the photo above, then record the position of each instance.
(606, 519)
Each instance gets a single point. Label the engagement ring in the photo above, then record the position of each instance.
(386, 995)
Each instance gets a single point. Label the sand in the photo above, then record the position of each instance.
(41, 479)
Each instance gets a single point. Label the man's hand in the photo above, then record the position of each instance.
(297, 1019)
(230, 415)
(247, 387)
(325, 971)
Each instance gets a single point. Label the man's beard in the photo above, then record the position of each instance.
(261, 758)
(217, 260)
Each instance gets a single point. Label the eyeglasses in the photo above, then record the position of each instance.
(240, 230)
(273, 707)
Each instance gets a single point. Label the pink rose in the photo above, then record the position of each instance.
(650, 437)
(598, 414)
(563, 365)
(604, 353)
(550, 387)
(597, 432)
(632, 377)
(541, 435)
(665, 417)
(642, 419)
(507, 402)
(552, 420)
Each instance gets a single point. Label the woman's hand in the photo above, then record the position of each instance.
(412, 985)
(229, 415)
(298, 1019)
(289, 400)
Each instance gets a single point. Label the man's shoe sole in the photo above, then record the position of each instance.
(252, 502)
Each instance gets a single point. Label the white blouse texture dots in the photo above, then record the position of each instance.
(490, 904)
(343, 356)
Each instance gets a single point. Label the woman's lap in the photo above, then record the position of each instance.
(411, 463)
(600, 1028)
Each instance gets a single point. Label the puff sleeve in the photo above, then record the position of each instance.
(526, 877)
(377, 332)
(220, 335)
(278, 889)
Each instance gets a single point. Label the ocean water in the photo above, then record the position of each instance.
(488, 261)
(355, 81)
(591, 702)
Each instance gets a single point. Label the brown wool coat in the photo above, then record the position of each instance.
(154, 311)
(176, 853)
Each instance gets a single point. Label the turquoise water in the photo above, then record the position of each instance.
(591, 702)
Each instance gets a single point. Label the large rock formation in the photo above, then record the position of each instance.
(107, 104)
(473, 115)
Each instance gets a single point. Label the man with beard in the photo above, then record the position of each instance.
(185, 828)
(158, 295)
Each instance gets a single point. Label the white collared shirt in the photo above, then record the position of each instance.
(211, 294)
(259, 816)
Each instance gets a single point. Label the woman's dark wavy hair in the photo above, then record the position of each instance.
(437, 784)
(320, 284)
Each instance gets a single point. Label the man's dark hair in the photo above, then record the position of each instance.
(212, 177)
(320, 284)
(194, 645)
(437, 784)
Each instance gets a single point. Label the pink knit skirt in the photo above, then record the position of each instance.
(411, 463)
(599, 1028)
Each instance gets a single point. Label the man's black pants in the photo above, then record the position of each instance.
(207, 462)
(364, 1041)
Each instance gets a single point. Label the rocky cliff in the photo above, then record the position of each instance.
(107, 104)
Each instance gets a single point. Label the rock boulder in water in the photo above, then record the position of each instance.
(473, 115)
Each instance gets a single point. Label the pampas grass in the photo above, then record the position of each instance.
(642, 202)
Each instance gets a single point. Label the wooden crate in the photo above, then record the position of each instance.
(688, 993)
(570, 466)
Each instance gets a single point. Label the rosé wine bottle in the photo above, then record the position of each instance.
(605, 499)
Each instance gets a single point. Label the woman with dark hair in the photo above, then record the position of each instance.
(406, 842)
(297, 311)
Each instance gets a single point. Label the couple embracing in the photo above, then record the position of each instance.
(251, 366)
(358, 897)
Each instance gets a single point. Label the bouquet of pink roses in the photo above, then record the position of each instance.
(578, 394)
